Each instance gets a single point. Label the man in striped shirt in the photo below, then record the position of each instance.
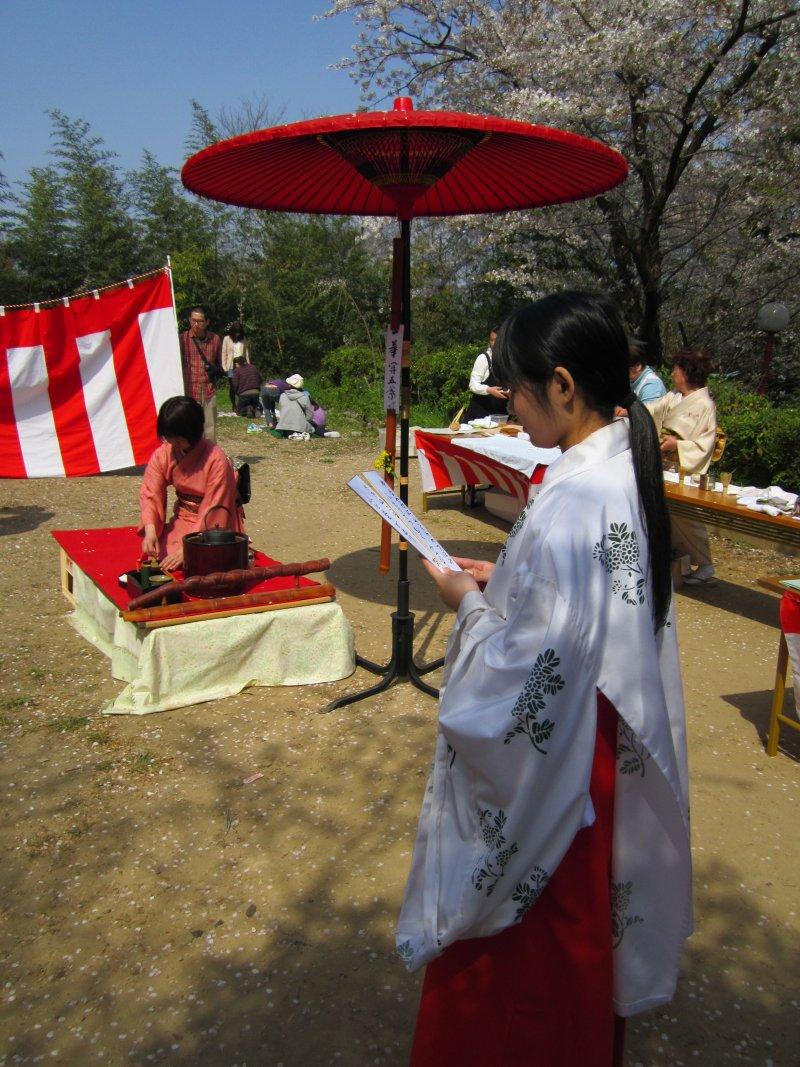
(199, 346)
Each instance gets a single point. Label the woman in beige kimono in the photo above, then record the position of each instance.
(686, 420)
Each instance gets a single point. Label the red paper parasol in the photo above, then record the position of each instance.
(405, 163)
(408, 164)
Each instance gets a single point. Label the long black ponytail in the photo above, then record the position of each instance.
(584, 334)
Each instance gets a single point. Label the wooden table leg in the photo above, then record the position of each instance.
(777, 699)
(66, 576)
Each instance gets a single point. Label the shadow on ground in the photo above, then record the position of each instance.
(18, 519)
(738, 600)
(125, 472)
(296, 966)
(357, 574)
(755, 709)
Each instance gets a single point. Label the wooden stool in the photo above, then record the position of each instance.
(776, 716)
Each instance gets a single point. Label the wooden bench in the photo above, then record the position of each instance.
(721, 511)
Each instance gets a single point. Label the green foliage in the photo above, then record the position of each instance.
(350, 382)
(352, 365)
(102, 240)
(166, 222)
(762, 447)
(352, 403)
(440, 378)
(38, 239)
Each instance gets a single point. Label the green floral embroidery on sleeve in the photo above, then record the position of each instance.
(543, 681)
(528, 892)
(631, 753)
(405, 952)
(491, 867)
(618, 551)
(620, 902)
(515, 529)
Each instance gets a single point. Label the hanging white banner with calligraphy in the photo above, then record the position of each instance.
(391, 378)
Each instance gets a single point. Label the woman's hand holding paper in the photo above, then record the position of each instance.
(480, 569)
(453, 586)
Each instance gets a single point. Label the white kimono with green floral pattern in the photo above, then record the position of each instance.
(566, 612)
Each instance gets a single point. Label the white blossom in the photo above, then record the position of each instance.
(702, 100)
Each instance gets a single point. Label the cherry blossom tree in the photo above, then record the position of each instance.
(701, 98)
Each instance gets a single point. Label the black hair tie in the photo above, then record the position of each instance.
(629, 400)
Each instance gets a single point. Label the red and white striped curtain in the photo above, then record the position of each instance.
(81, 382)
(444, 464)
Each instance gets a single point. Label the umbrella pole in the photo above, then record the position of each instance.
(401, 665)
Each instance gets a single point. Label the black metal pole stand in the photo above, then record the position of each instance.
(401, 666)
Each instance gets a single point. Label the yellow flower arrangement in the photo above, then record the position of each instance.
(385, 463)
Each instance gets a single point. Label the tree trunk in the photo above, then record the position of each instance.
(648, 262)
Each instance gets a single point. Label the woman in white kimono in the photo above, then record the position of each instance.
(550, 887)
(686, 420)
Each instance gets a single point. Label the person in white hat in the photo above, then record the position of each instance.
(294, 409)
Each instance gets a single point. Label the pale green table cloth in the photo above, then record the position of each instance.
(175, 666)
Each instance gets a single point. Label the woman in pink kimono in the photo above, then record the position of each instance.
(203, 479)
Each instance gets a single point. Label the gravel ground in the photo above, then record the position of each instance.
(157, 910)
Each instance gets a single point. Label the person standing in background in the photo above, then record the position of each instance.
(645, 383)
(686, 421)
(200, 355)
(487, 396)
(233, 345)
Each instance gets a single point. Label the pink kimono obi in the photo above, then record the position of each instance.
(205, 484)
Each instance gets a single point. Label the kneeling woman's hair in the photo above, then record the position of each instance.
(181, 416)
(584, 334)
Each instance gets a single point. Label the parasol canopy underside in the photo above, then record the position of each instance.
(404, 163)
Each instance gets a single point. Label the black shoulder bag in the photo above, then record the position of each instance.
(215, 373)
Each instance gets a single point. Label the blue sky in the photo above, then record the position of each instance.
(131, 68)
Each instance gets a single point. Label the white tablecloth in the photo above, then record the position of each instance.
(174, 666)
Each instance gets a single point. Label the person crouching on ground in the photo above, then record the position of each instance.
(203, 479)
(686, 420)
(246, 383)
(294, 409)
(270, 395)
(550, 885)
(319, 418)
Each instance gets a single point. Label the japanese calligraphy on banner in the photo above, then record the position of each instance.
(81, 382)
(391, 379)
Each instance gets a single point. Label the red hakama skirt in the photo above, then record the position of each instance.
(538, 994)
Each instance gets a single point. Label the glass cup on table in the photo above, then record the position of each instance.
(726, 477)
